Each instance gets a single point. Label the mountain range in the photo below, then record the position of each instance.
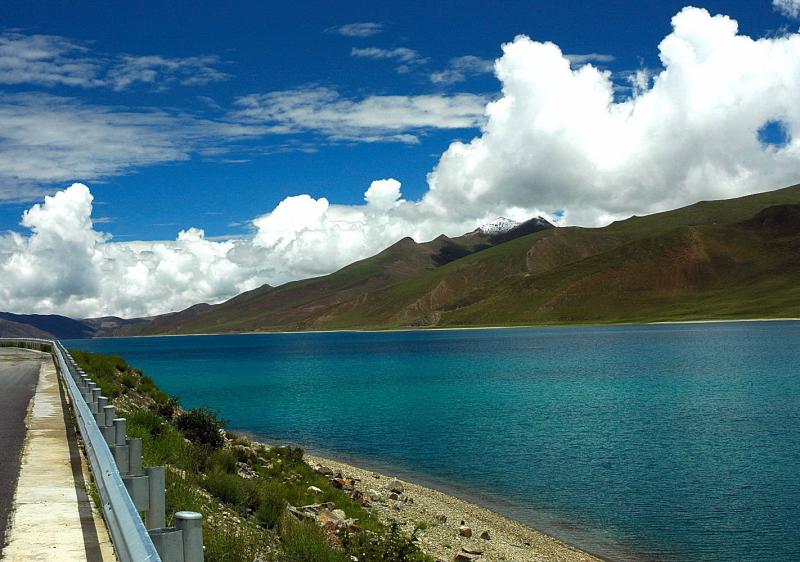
(726, 259)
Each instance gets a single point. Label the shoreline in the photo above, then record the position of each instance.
(459, 328)
(441, 514)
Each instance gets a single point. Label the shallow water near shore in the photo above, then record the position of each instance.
(658, 442)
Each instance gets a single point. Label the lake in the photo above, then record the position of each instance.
(658, 442)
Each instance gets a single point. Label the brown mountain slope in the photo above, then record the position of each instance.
(716, 259)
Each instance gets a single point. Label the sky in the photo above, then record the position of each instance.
(156, 155)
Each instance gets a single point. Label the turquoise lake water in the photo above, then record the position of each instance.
(662, 442)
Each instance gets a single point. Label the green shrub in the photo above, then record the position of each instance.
(389, 546)
(272, 504)
(305, 542)
(142, 423)
(224, 460)
(166, 406)
(128, 380)
(232, 489)
(201, 425)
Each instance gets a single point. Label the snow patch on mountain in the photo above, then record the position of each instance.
(498, 226)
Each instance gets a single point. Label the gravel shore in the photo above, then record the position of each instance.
(442, 515)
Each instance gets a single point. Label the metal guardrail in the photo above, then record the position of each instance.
(115, 462)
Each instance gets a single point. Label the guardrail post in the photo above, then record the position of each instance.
(107, 427)
(120, 448)
(135, 456)
(169, 543)
(100, 415)
(191, 523)
(157, 512)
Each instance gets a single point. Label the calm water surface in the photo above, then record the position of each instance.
(670, 442)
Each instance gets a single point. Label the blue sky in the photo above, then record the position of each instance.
(157, 155)
(265, 47)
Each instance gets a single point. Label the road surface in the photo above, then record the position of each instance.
(19, 372)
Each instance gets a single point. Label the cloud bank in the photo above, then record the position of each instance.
(556, 140)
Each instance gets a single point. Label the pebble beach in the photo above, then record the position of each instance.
(451, 529)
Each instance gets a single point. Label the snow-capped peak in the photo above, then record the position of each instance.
(498, 226)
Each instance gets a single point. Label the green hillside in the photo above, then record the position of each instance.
(713, 260)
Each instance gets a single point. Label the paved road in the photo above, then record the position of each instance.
(19, 373)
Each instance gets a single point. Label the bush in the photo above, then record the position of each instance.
(232, 489)
(305, 542)
(224, 460)
(202, 426)
(272, 504)
(390, 546)
(142, 423)
(166, 406)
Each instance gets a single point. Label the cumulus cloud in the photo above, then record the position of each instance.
(357, 29)
(789, 8)
(65, 265)
(557, 139)
(50, 60)
(371, 119)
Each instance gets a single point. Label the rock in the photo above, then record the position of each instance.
(324, 470)
(339, 514)
(463, 557)
(314, 490)
(395, 486)
(486, 536)
(475, 551)
(394, 497)
(441, 519)
(465, 531)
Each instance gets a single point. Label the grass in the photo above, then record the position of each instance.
(245, 512)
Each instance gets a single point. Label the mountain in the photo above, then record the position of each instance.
(711, 260)
(53, 325)
(498, 226)
(10, 329)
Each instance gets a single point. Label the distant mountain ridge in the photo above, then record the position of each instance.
(714, 259)
(725, 259)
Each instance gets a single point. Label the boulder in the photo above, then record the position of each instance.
(463, 557)
(486, 536)
(314, 490)
(339, 514)
(324, 470)
(394, 497)
(465, 531)
(395, 486)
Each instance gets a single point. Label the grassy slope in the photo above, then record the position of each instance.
(693, 263)
(700, 262)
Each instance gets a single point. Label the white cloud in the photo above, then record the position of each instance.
(579, 59)
(358, 29)
(50, 60)
(162, 71)
(371, 119)
(47, 60)
(46, 139)
(789, 8)
(407, 57)
(461, 68)
(66, 266)
(557, 139)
